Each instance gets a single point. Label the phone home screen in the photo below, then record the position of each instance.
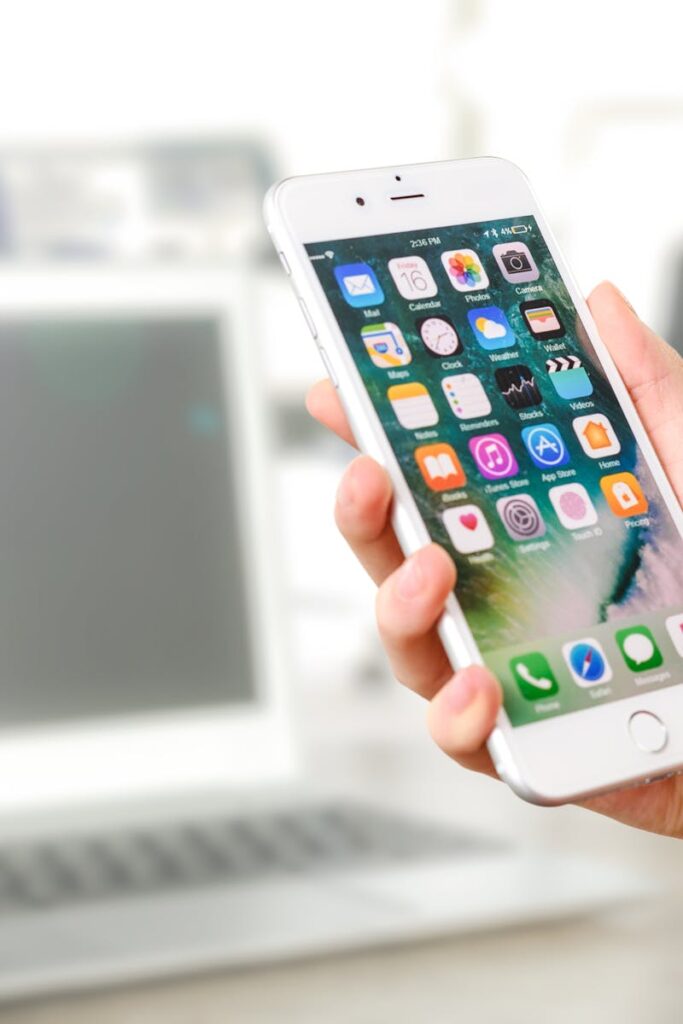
(520, 458)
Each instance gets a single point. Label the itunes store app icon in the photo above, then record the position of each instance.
(468, 529)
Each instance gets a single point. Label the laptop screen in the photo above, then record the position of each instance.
(121, 584)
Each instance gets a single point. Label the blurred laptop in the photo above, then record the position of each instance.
(152, 813)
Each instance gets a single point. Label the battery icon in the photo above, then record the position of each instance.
(519, 229)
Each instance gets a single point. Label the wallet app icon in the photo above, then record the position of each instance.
(359, 285)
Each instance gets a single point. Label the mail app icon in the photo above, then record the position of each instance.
(359, 285)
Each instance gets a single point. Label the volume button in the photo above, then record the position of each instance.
(308, 318)
(285, 264)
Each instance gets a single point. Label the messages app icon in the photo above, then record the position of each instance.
(359, 285)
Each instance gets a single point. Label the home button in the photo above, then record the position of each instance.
(648, 732)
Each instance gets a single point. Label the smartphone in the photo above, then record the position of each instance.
(469, 366)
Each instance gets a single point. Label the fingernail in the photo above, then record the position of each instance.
(410, 579)
(459, 693)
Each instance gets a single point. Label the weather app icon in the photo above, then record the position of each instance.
(491, 328)
(545, 446)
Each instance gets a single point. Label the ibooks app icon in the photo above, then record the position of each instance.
(440, 467)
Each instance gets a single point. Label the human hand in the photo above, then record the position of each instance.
(412, 592)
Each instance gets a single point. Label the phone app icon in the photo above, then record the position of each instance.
(596, 435)
(624, 495)
(569, 378)
(674, 625)
(413, 406)
(493, 456)
(521, 517)
(465, 270)
(573, 506)
(386, 345)
(412, 277)
(533, 676)
(491, 328)
(587, 662)
(542, 319)
(545, 445)
(515, 262)
(439, 336)
(440, 467)
(359, 285)
(468, 530)
(466, 396)
(639, 648)
(518, 386)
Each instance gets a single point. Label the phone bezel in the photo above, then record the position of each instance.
(537, 760)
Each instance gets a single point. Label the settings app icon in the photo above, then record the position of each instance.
(521, 517)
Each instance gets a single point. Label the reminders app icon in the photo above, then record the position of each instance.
(359, 285)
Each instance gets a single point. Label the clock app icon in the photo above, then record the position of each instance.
(439, 336)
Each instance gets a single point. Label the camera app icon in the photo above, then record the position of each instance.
(515, 262)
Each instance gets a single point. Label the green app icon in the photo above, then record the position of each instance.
(639, 648)
(534, 676)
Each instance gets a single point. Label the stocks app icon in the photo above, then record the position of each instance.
(521, 517)
(518, 386)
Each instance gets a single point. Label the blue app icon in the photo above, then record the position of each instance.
(359, 285)
(545, 445)
(587, 662)
(569, 377)
(491, 328)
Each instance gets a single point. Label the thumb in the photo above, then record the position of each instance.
(651, 370)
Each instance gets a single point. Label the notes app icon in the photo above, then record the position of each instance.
(413, 406)
(493, 456)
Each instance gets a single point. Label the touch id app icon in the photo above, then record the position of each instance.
(573, 506)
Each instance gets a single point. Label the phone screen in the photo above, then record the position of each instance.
(521, 460)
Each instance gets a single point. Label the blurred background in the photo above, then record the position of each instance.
(136, 143)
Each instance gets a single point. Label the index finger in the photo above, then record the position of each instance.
(322, 401)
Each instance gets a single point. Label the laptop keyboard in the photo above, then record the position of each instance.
(308, 840)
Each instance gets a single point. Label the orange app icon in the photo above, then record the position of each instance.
(624, 495)
(440, 467)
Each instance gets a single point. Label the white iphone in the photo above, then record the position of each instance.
(469, 367)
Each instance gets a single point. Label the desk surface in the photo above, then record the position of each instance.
(617, 966)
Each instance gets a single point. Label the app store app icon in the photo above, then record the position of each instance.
(545, 445)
